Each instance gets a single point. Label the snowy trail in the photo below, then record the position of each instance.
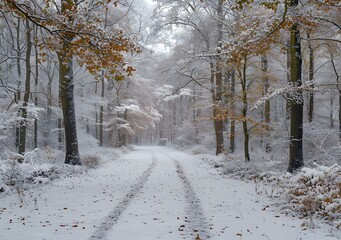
(196, 217)
(113, 217)
(152, 193)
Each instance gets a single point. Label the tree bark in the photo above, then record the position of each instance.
(36, 77)
(217, 122)
(217, 79)
(101, 111)
(50, 77)
(311, 79)
(331, 113)
(233, 108)
(244, 112)
(296, 104)
(18, 52)
(265, 79)
(287, 106)
(23, 110)
(101, 114)
(68, 108)
(96, 114)
(67, 95)
(338, 77)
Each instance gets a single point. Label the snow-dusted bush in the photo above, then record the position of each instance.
(91, 160)
(124, 149)
(317, 191)
(32, 157)
(43, 173)
(198, 150)
(10, 172)
(20, 172)
(312, 192)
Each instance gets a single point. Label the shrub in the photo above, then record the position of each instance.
(90, 161)
(198, 150)
(318, 191)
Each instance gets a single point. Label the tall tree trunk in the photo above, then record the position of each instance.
(331, 113)
(338, 78)
(18, 52)
(23, 122)
(287, 106)
(174, 120)
(96, 114)
(68, 108)
(217, 118)
(233, 109)
(60, 121)
(66, 86)
(217, 121)
(36, 77)
(124, 134)
(311, 79)
(101, 113)
(50, 76)
(265, 79)
(244, 111)
(60, 131)
(296, 104)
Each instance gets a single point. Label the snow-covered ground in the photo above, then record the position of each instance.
(150, 193)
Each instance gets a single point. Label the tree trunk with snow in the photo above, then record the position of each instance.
(232, 108)
(217, 79)
(18, 93)
(338, 86)
(296, 103)
(217, 122)
(244, 111)
(36, 77)
(101, 113)
(68, 108)
(23, 110)
(265, 79)
(311, 79)
(66, 86)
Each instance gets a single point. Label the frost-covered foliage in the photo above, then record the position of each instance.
(90, 160)
(23, 175)
(198, 150)
(135, 109)
(316, 191)
(312, 193)
(41, 166)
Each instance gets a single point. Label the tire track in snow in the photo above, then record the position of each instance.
(114, 215)
(196, 222)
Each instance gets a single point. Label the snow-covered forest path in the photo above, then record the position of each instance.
(152, 193)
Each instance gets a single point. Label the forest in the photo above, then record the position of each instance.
(252, 86)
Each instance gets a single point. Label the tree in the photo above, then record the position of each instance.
(243, 81)
(27, 92)
(311, 79)
(65, 59)
(199, 19)
(217, 94)
(267, 109)
(296, 101)
(74, 29)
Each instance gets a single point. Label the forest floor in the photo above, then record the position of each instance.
(150, 193)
